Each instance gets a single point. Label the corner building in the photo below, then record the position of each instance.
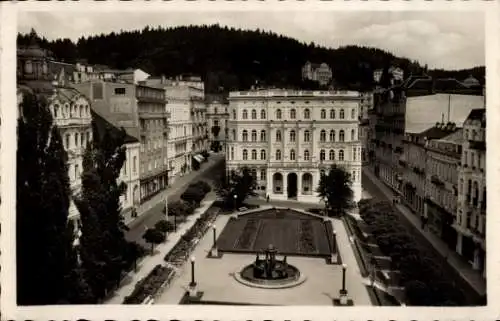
(288, 138)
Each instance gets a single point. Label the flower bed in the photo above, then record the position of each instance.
(149, 285)
(180, 252)
(306, 238)
(248, 233)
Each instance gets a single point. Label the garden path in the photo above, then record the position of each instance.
(149, 262)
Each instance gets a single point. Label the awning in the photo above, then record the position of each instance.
(198, 158)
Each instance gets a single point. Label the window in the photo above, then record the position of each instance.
(307, 114)
(331, 154)
(323, 114)
(254, 114)
(245, 136)
(81, 111)
(341, 135)
(341, 116)
(125, 168)
(307, 136)
(263, 154)
(353, 176)
(245, 114)
(134, 164)
(234, 114)
(76, 139)
(120, 91)
(306, 155)
(77, 171)
(332, 135)
(68, 141)
(341, 155)
(278, 136)
(245, 154)
(234, 133)
(216, 123)
(322, 136)
(254, 154)
(263, 174)
(332, 113)
(353, 134)
(232, 152)
(254, 135)
(278, 114)
(262, 135)
(293, 114)
(292, 136)
(278, 155)
(322, 155)
(292, 154)
(353, 113)
(263, 114)
(82, 140)
(354, 153)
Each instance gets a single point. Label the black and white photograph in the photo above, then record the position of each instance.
(218, 159)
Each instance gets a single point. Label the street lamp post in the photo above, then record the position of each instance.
(344, 268)
(235, 198)
(214, 247)
(192, 285)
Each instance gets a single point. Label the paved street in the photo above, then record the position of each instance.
(453, 265)
(152, 209)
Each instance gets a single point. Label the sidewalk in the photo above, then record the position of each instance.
(466, 271)
(173, 189)
(149, 262)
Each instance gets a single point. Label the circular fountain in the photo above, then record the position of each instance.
(270, 272)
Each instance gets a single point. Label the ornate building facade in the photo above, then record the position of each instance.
(288, 138)
(217, 117)
(470, 222)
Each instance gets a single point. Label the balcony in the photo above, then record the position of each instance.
(436, 181)
(478, 145)
(419, 171)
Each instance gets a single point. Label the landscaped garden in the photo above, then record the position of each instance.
(291, 232)
(407, 265)
(161, 275)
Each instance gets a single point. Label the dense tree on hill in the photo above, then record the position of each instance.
(46, 259)
(229, 59)
(104, 251)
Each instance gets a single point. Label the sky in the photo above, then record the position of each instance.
(448, 40)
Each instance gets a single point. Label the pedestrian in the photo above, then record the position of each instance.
(267, 198)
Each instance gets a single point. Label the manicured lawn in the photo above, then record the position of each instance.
(290, 233)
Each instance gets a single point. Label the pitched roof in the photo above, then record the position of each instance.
(436, 132)
(478, 114)
(102, 124)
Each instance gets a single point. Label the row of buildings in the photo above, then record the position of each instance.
(165, 120)
(289, 138)
(426, 141)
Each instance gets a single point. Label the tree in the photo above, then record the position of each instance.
(164, 226)
(103, 245)
(335, 190)
(153, 236)
(240, 183)
(45, 254)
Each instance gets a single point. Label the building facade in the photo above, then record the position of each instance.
(287, 138)
(471, 219)
(321, 73)
(153, 126)
(364, 123)
(217, 118)
(387, 127)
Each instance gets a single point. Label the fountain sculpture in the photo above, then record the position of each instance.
(270, 272)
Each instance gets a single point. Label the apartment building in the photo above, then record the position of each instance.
(217, 118)
(470, 223)
(154, 140)
(288, 138)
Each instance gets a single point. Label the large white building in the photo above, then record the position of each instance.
(287, 138)
(321, 73)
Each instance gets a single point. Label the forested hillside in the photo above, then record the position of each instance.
(229, 59)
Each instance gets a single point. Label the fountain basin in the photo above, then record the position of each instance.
(294, 278)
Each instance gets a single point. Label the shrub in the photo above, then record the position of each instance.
(193, 194)
(149, 285)
(153, 236)
(164, 226)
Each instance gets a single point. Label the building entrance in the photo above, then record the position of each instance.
(292, 185)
